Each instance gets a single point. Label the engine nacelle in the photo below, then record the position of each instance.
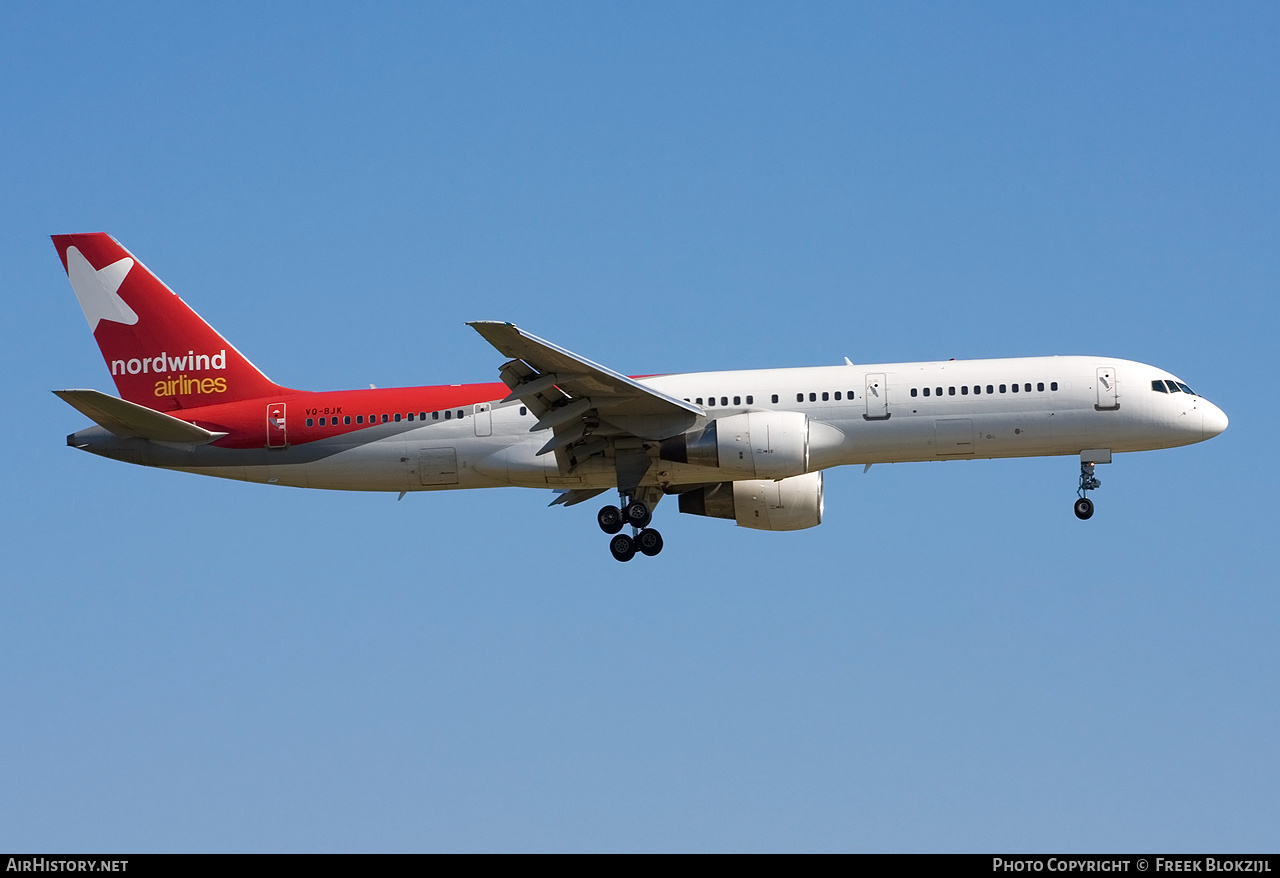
(770, 445)
(762, 504)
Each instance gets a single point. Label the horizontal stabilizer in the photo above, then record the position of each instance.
(129, 419)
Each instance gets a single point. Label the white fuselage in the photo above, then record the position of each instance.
(880, 414)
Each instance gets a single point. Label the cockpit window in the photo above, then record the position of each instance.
(1158, 385)
(1184, 388)
(1173, 387)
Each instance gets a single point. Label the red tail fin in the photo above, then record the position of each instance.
(159, 351)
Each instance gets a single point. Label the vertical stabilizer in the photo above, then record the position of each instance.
(160, 353)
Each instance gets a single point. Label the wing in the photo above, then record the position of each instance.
(586, 406)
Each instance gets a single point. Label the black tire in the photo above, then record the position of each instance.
(649, 541)
(637, 514)
(1084, 509)
(622, 547)
(610, 519)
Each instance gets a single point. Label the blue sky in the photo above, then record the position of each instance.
(951, 662)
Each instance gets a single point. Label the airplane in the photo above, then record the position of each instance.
(748, 446)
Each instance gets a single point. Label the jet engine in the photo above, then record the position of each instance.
(762, 504)
(771, 445)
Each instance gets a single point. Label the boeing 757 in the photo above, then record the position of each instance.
(748, 446)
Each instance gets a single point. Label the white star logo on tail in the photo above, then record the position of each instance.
(97, 289)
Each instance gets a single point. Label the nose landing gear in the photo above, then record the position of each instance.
(1084, 506)
(1088, 481)
(636, 513)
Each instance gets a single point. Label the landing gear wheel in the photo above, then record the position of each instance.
(637, 514)
(610, 519)
(649, 541)
(1084, 509)
(622, 547)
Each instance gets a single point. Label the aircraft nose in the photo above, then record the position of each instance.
(1215, 420)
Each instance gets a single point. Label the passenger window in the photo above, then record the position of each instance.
(359, 419)
(1040, 387)
(410, 416)
(913, 391)
(937, 391)
(322, 422)
(964, 389)
(837, 396)
(977, 389)
(459, 413)
(951, 391)
(435, 416)
(750, 399)
(1002, 388)
(775, 397)
(448, 415)
(397, 417)
(991, 389)
(347, 419)
(309, 423)
(724, 400)
(926, 391)
(1053, 385)
(1014, 388)
(385, 418)
(422, 416)
(1027, 388)
(813, 397)
(699, 400)
(826, 397)
(737, 400)
(523, 411)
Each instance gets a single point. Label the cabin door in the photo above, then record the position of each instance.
(483, 418)
(877, 397)
(1108, 396)
(277, 434)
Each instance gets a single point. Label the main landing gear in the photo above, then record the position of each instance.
(637, 515)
